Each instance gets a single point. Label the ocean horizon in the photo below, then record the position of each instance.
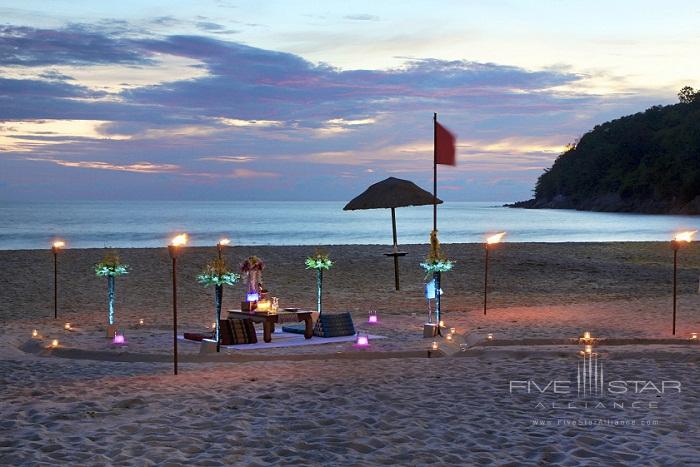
(132, 224)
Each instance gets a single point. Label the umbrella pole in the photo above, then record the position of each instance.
(395, 249)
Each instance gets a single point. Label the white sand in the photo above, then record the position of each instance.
(336, 410)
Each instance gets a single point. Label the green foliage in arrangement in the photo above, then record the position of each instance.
(110, 266)
(436, 260)
(217, 273)
(649, 157)
(319, 260)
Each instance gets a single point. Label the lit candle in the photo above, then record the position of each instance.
(66, 326)
(588, 349)
(434, 346)
(54, 343)
(118, 339)
(694, 335)
(587, 335)
(213, 325)
(452, 331)
(362, 341)
(449, 337)
(141, 322)
(441, 324)
(373, 319)
(35, 333)
(489, 337)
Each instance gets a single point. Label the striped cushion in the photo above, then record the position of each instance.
(335, 325)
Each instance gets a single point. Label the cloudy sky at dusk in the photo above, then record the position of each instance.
(315, 100)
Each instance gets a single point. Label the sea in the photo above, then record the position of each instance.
(96, 224)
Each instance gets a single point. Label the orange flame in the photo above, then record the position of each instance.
(224, 241)
(59, 244)
(686, 236)
(179, 240)
(495, 238)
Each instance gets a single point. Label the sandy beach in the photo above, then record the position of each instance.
(334, 404)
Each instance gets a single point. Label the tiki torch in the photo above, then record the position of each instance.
(220, 247)
(492, 240)
(174, 250)
(55, 248)
(680, 237)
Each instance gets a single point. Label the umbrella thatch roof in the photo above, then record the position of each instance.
(391, 193)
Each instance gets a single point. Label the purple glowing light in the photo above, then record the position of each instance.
(119, 339)
(373, 319)
(362, 341)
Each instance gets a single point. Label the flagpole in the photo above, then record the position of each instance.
(435, 171)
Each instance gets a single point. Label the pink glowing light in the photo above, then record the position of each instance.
(362, 341)
(119, 339)
(373, 319)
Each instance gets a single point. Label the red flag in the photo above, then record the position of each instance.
(445, 152)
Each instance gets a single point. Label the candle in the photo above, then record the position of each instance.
(35, 333)
(118, 339)
(489, 336)
(587, 335)
(694, 335)
(373, 319)
(435, 345)
(213, 325)
(452, 331)
(441, 324)
(141, 322)
(362, 341)
(449, 337)
(54, 343)
(66, 326)
(588, 349)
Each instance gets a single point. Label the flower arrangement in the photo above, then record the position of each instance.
(253, 268)
(253, 263)
(319, 261)
(436, 261)
(216, 273)
(110, 266)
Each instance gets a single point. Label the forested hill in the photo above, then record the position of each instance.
(647, 162)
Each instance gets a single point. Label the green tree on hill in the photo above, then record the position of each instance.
(646, 162)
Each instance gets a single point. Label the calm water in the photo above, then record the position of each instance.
(150, 223)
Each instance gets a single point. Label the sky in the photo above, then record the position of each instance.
(311, 100)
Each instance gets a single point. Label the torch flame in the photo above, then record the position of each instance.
(59, 244)
(224, 241)
(686, 236)
(495, 238)
(179, 240)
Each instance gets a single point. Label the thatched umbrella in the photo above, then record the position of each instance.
(392, 193)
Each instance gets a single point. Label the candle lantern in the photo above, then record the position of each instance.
(373, 318)
(489, 336)
(694, 336)
(35, 333)
(434, 346)
(174, 251)
(54, 343)
(141, 322)
(492, 240)
(55, 249)
(119, 339)
(362, 340)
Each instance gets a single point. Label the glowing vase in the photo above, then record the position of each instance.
(218, 297)
(319, 289)
(110, 299)
(436, 280)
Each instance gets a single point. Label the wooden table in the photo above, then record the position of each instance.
(270, 319)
